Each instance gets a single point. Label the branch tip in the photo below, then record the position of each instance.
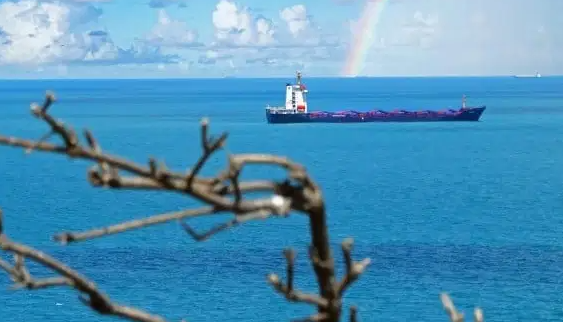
(289, 254)
(348, 243)
(50, 96)
(273, 278)
(353, 313)
(450, 308)
(63, 238)
(153, 167)
(478, 315)
(90, 139)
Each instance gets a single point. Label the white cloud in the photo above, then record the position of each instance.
(237, 27)
(38, 33)
(296, 19)
(171, 33)
(301, 30)
(246, 41)
(264, 31)
(33, 32)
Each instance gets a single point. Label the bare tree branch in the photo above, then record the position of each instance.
(22, 279)
(69, 237)
(287, 290)
(239, 219)
(353, 269)
(209, 146)
(93, 297)
(353, 314)
(454, 314)
(223, 193)
(319, 317)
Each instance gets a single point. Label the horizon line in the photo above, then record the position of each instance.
(265, 77)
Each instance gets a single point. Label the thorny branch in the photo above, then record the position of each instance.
(223, 193)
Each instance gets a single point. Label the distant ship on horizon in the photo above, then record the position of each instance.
(536, 75)
(296, 110)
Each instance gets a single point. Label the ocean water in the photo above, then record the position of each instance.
(474, 209)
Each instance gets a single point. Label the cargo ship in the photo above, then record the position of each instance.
(296, 111)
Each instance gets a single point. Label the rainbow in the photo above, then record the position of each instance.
(365, 33)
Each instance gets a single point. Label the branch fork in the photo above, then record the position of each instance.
(353, 269)
(288, 290)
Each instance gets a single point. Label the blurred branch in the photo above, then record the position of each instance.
(90, 295)
(454, 314)
(353, 269)
(69, 237)
(223, 193)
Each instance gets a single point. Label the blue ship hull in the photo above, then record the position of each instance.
(467, 114)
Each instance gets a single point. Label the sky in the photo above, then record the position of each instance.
(274, 38)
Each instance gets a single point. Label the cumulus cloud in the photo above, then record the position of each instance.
(67, 32)
(39, 32)
(296, 19)
(172, 33)
(237, 27)
(36, 33)
(302, 31)
(247, 40)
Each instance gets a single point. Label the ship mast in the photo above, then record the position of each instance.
(296, 98)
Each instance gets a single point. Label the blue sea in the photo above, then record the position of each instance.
(474, 209)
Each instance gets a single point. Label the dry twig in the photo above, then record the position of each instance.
(454, 314)
(223, 193)
(90, 295)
